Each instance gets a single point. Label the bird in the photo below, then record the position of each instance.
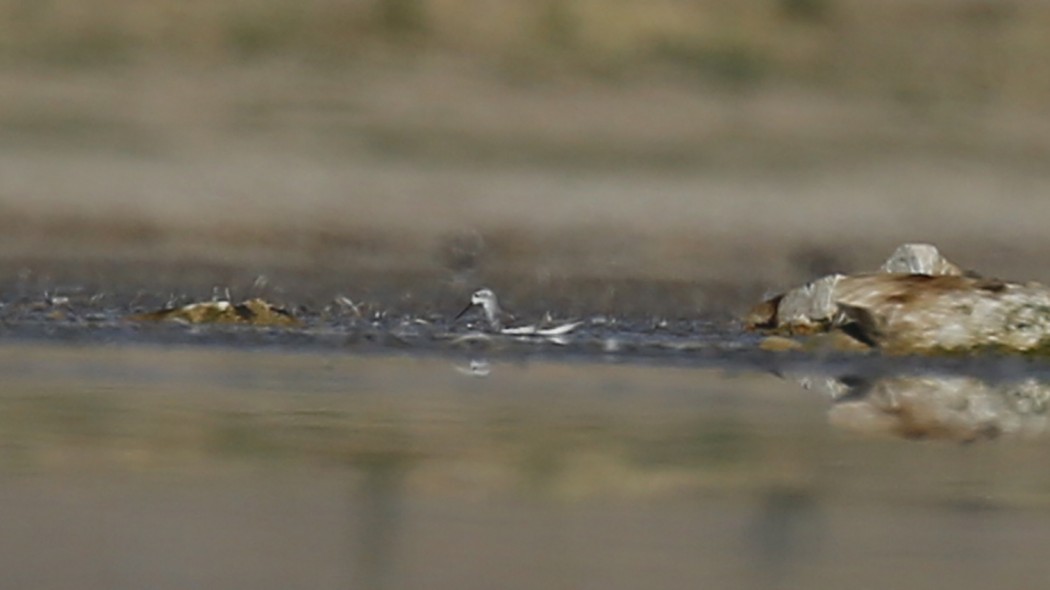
(485, 298)
(494, 315)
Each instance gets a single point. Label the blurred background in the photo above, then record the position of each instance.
(657, 158)
(670, 156)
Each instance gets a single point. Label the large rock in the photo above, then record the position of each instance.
(918, 302)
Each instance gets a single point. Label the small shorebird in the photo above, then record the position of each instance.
(486, 299)
(488, 302)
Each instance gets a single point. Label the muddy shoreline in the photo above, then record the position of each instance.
(79, 316)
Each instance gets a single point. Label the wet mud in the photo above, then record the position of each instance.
(81, 315)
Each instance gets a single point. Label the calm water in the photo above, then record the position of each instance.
(157, 467)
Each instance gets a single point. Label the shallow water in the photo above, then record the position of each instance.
(172, 467)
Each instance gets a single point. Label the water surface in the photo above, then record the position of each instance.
(171, 467)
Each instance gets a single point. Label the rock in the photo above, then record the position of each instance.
(919, 259)
(812, 307)
(255, 312)
(932, 308)
(833, 342)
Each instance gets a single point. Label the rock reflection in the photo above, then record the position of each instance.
(951, 407)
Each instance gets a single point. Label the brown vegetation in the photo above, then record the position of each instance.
(918, 51)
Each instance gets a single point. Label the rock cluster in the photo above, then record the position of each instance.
(918, 302)
(255, 312)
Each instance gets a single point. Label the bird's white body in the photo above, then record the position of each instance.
(489, 303)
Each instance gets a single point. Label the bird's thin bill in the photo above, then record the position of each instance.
(464, 312)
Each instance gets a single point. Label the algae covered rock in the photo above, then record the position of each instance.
(254, 312)
(917, 302)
